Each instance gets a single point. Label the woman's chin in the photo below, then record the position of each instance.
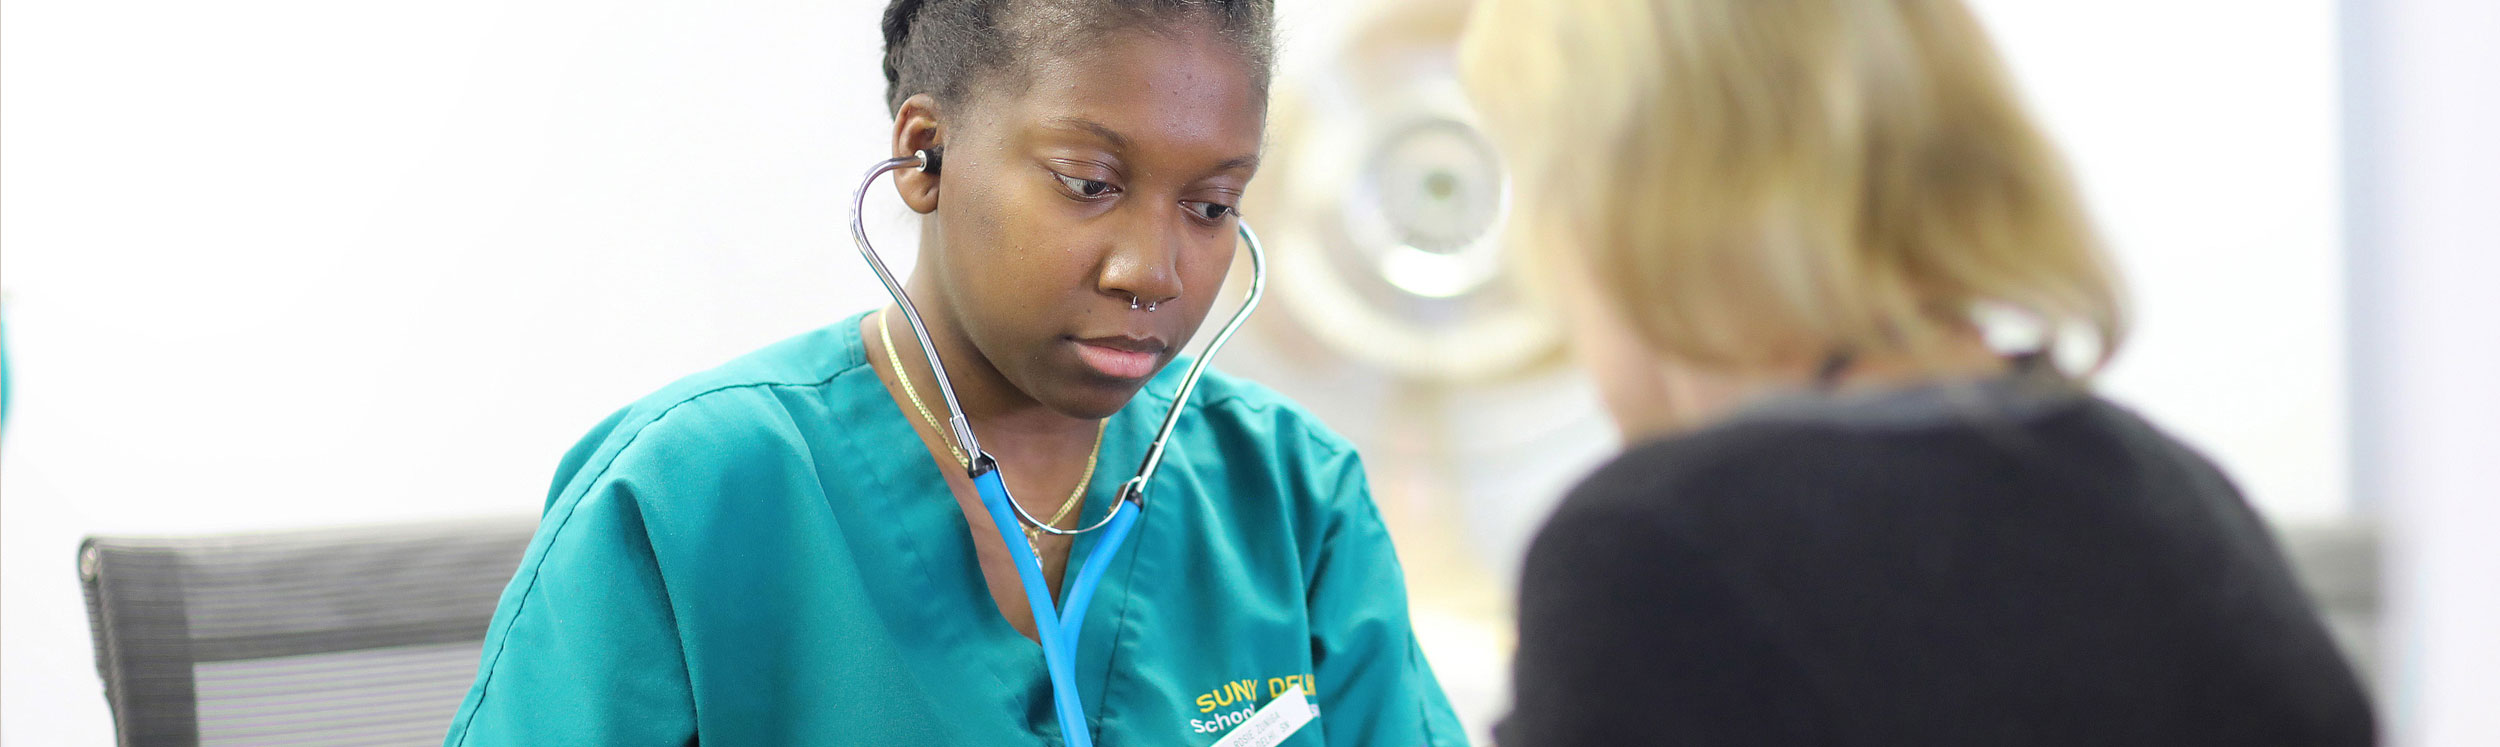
(1095, 398)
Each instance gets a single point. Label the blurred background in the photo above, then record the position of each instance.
(275, 264)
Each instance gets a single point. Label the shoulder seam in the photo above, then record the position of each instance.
(487, 671)
(1335, 446)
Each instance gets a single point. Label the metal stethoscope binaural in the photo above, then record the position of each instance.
(1058, 629)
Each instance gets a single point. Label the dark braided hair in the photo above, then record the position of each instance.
(940, 47)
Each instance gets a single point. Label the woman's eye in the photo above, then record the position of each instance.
(1083, 187)
(1208, 210)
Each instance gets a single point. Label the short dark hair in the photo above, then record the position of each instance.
(940, 47)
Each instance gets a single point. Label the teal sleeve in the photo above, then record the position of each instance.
(584, 648)
(589, 447)
(1374, 687)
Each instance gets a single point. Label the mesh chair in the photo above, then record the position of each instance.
(349, 636)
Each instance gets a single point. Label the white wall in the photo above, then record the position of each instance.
(278, 264)
(2425, 82)
(2205, 137)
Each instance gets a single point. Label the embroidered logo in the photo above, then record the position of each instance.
(1230, 703)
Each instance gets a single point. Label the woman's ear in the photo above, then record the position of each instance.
(916, 129)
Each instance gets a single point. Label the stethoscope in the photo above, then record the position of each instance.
(1059, 632)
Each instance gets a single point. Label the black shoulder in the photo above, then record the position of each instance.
(1760, 463)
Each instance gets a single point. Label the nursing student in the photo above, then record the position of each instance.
(785, 550)
(1844, 518)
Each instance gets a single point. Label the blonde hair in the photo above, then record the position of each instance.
(1757, 182)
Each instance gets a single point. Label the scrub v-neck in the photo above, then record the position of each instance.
(926, 524)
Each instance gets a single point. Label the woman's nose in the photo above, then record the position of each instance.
(1144, 265)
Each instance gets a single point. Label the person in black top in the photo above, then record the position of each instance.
(1781, 232)
(2008, 562)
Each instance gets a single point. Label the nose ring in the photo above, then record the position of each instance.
(1149, 305)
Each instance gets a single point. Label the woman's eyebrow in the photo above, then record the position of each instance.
(1120, 142)
(1097, 129)
(1237, 163)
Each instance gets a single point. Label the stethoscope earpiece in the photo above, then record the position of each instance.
(930, 159)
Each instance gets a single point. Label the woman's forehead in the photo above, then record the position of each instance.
(1143, 90)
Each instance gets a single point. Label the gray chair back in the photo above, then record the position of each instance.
(344, 636)
(2338, 564)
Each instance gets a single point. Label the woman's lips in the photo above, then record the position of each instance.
(1120, 358)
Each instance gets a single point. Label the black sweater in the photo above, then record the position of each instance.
(2000, 563)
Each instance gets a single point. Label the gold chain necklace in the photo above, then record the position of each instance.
(1032, 534)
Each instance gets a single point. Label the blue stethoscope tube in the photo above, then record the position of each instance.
(1060, 630)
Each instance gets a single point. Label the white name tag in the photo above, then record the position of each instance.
(1279, 719)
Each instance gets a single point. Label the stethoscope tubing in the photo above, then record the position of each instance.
(1059, 633)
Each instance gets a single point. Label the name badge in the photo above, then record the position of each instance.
(1279, 719)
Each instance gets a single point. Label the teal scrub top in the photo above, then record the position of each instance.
(765, 554)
